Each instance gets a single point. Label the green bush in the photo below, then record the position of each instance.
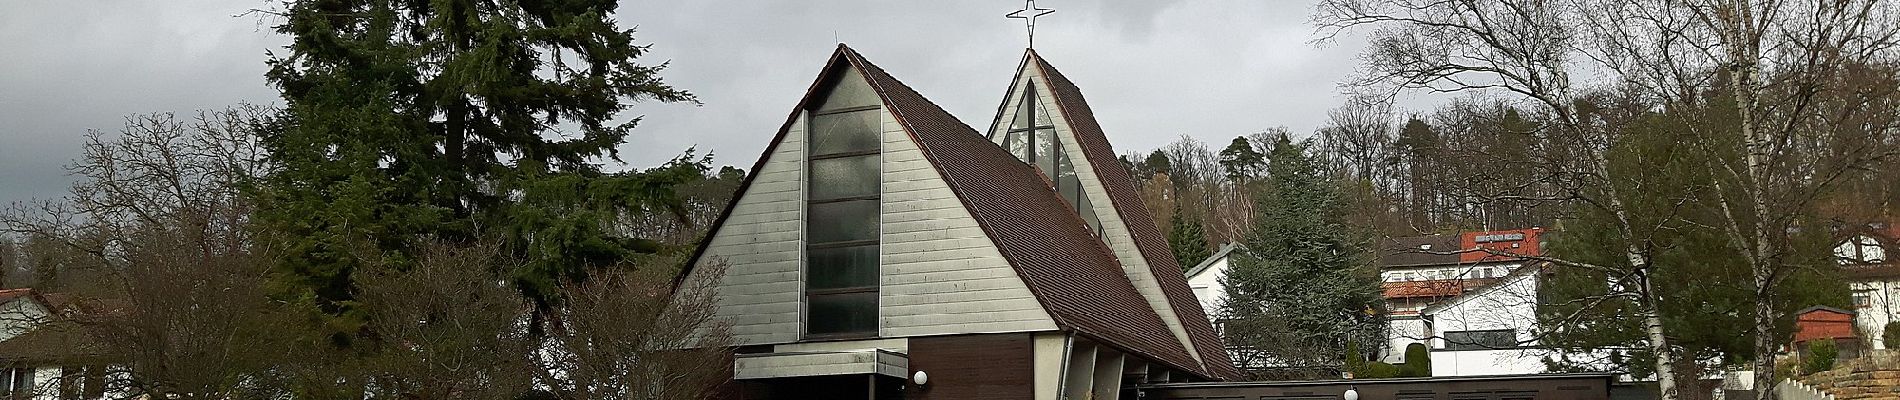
(1821, 354)
(1418, 361)
(1377, 370)
(1891, 334)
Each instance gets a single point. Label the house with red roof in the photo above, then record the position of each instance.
(882, 248)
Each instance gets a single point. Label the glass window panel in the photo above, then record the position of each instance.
(1048, 149)
(844, 132)
(1026, 109)
(1480, 340)
(1021, 121)
(1018, 144)
(842, 313)
(842, 267)
(850, 90)
(1042, 114)
(834, 178)
(842, 221)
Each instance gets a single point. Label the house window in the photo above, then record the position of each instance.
(1863, 300)
(16, 382)
(1480, 340)
(1032, 138)
(841, 214)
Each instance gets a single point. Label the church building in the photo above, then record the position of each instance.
(883, 249)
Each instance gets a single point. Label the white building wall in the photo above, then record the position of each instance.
(1208, 288)
(1878, 302)
(1438, 272)
(1509, 304)
(1403, 331)
(761, 293)
(941, 273)
(19, 316)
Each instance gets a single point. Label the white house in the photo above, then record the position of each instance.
(46, 357)
(1874, 278)
(1205, 278)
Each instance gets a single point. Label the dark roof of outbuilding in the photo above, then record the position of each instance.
(1411, 251)
(1148, 239)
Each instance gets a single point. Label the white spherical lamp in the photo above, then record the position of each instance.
(920, 378)
(1352, 393)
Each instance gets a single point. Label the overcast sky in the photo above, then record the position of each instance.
(1152, 70)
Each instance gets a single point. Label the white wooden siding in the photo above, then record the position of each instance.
(1114, 229)
(940, 273)
(761, 292)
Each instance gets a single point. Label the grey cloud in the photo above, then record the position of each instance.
(1152, 70)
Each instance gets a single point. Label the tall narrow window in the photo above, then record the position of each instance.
(841, 215)
(1032, 137)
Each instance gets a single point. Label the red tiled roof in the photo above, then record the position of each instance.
(10, 294)
(1148, 239)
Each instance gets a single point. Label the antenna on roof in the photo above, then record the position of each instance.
(1028, 14)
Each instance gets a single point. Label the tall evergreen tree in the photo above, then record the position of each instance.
(1188, 239)
(1305, 288)
(455, 120)
(1240, 160)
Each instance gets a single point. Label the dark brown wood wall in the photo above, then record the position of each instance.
(975, 367)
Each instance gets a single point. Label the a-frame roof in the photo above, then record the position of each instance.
(1073, 275)
(1127, 203)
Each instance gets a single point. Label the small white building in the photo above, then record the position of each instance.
(1487, 331)
(1205, 278)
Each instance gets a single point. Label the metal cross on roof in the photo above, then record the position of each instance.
(1028, 14)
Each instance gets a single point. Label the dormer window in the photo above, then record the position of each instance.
(1032, 138)
(1860, 250)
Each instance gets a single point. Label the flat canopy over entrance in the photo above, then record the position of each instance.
(820, 363)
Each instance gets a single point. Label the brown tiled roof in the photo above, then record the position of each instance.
(1405, 251)
(1073, 274)
(53, 342)
(1148, 240)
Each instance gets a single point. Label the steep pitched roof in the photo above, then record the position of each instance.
(1148, 239)
(1074, 276)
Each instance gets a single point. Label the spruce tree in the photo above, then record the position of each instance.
(1305, 287)
(1188, 239)
(455, 121)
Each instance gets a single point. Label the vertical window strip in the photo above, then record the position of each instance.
(842, 218)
